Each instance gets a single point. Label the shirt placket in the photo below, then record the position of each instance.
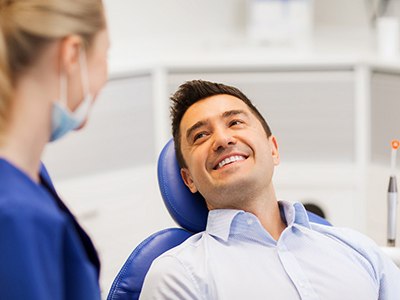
(295, 272)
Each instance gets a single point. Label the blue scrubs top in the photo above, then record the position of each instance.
(44, 253)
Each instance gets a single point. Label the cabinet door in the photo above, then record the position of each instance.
(311, 113)
(385, 126)
(385, 115)
(119, 133)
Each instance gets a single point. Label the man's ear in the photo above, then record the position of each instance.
(274, 149)
(70, 48)
(187, 179)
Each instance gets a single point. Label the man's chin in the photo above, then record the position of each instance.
(231, 176)
(231, 185)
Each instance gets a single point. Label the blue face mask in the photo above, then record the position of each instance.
(63, 120)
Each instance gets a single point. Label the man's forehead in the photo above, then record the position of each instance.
(214, 106)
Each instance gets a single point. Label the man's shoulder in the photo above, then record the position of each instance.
(177, 273)
(187, 250)
(185, 264)
(346, 235)
(359, 242)
(189, 256)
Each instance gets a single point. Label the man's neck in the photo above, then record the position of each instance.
(264, 206)
(269, 215)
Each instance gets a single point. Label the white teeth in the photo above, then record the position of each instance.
(230, 159)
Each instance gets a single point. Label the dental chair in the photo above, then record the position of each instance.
(188, 210)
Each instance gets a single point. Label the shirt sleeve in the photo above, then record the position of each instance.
(386, 273)
(168, 278)
(389, 275)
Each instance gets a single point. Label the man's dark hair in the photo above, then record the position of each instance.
(193, 91)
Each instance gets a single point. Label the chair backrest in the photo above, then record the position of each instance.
(129, 281)
(187, 209)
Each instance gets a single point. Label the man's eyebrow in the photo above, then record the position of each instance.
(226, 114)
(233, 112)
(196, 126)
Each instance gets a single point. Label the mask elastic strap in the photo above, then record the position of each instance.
(84, 72)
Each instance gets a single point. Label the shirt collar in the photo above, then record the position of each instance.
(220, 221)
(294, 213)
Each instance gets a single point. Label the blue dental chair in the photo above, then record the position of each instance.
(188, 210)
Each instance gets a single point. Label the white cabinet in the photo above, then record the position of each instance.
(385, 126)
(385, 113)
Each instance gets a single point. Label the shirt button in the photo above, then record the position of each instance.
(249, 221)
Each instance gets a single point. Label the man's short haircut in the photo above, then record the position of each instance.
(193, 91)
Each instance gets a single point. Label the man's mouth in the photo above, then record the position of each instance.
(229, 160)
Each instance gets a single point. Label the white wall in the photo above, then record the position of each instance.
(194, 20)
(171, 20)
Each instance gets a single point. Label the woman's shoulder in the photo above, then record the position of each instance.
(27, 208)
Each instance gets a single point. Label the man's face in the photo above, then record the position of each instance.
(226, 150)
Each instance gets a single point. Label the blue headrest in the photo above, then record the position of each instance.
(187, 209)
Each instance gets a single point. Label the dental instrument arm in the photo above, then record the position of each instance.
(392, 212)
(392, 199)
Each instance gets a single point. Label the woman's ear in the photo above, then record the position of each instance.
(187, 179)
(70, 48)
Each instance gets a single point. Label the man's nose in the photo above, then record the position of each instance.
(223, 138)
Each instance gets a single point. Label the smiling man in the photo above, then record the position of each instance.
(225, 152)
(254, 246)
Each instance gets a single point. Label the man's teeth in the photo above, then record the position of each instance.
(229, 160)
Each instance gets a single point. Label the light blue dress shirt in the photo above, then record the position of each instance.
(236, 258)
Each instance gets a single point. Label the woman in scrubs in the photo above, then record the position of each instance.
(52, 65)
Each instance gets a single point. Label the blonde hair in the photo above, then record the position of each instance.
(27, 26)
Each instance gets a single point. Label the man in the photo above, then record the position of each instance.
(254, 247)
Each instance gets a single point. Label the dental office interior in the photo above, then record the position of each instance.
(325, 74)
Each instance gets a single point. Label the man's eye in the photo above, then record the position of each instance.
(235, 122)
(199, 136)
